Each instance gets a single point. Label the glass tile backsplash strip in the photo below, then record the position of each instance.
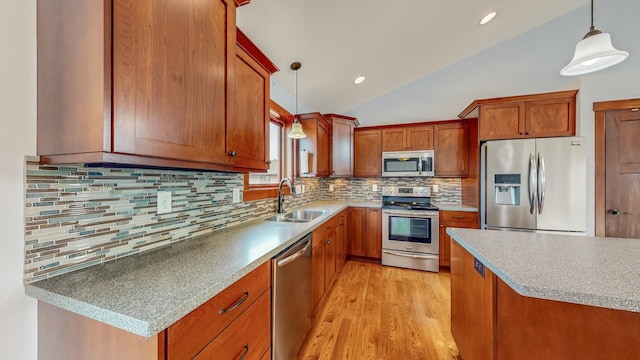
(449, 189)
(77, 216)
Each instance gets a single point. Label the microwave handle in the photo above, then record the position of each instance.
(420, 165)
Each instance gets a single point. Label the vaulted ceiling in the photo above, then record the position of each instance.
(392, 43)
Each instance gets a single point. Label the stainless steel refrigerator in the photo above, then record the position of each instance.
(535, 184)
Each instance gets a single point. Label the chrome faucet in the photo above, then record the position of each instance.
(281, 196)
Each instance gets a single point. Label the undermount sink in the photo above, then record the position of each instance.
(297, 216)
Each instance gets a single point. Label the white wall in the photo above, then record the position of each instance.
(18, 337)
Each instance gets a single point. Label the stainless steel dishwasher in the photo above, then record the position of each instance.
(291, 302)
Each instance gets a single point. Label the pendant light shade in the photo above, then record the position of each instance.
(594, 52)
(296, 129)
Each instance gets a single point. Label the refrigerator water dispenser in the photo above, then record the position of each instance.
(507, 189)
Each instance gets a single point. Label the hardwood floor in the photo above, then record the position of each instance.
(379, 312)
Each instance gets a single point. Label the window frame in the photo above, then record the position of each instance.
(282, 117)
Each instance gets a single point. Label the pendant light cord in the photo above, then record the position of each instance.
(592, 27)
(297, 83)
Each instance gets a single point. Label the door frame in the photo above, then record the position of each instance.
(600, 109)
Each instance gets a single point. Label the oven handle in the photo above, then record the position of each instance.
(410, 213)
(426, 257)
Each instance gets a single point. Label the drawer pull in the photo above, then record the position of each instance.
(245, 352)
(238, 303)
(458, 217)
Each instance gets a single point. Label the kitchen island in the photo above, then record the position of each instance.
(532, 296)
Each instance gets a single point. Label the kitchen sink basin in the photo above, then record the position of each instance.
(297, 216)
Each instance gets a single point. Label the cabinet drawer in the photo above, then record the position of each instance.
(458, 217)
(193, 332)
(323, 230)
(250, 334)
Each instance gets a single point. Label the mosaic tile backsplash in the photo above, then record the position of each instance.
(78, 216)
(449, 189)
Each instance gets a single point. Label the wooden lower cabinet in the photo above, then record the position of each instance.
(341, 240)
(323, 259)
(218, 329)
(459, 219)
(365, 233)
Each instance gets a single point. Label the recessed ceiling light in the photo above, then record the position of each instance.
(359, 80)
(488, 18)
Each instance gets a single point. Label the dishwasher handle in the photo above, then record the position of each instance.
(294, 256)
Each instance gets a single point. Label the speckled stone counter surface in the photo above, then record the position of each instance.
(146, 293)
(597, 271)
(454, 207)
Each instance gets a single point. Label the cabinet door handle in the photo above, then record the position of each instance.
(237, 303)
(233, 153)
(328, 241)
(458, 217)
(245, 352)
(269, 162)
(441, 226)
(527, 132)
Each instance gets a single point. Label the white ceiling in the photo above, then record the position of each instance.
(392, 43)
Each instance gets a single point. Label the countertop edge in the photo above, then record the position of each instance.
(548, 293)
(151, 327)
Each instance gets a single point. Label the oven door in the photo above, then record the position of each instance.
(414, 231)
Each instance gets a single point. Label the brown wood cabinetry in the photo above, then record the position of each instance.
(451, 148)
(317, 143)
(537, 115)
(472, 307)
(367, 152)
(323, 259)
(365, 233)
(459, 219)
(153, 98)
(239, 316)
(342, 147)
(416, 137)
(341, 239)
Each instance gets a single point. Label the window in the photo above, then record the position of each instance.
(274, 174)
(265, 185)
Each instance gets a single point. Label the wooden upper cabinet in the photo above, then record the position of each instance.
(317, 143)
(367, 153)
(163, 85)
(248, 132)
(451, 142)
(407, 138)
(342, 147)
(527, 116)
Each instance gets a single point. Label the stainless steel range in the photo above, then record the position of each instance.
(410, 236)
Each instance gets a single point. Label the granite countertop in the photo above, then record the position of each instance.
(596, 271)
(146, 293)
(449, 206)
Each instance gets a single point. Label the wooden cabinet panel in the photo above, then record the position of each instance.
(342, 147)
(248, 133)
(394, 139)
(317, 143)
(540, 115)
(324, 140)
(365, 232)
(550, 117)
(357, 228)
(193, 332)
(368, 153)
(473, 302)
(451, 149)
(420, 137)
(373, 233)
(248, 337)
(502, 121)
(330, 252)
(163, 105)
(459, 219)
(317, 270)
(341, 240)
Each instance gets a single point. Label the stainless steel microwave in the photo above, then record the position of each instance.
(408, 163)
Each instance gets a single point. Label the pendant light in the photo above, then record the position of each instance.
(296, 129)
(594, 52)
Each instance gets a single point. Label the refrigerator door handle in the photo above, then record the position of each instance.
(533, 182)
(542, 183)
